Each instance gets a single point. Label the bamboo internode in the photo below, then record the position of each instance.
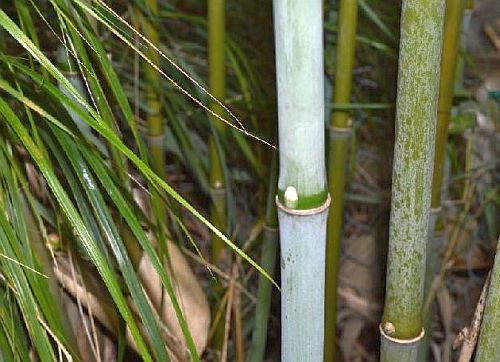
(302, 198)
(217, 84)
(340, 132)
(488, 348)
(451, 32)
(416, 108)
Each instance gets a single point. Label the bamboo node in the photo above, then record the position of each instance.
(346, 131)
(387, 329)
(272, 229)
(436, 210)
(306, 212)
(217, 189)
(155, 140)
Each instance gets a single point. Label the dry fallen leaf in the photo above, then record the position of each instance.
(189, 294)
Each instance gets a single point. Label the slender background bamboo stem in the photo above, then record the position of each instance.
(268, 262)
(451, 36)
(340, 131)
(155, 126)
(217, 84)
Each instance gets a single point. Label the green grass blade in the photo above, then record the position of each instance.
(108, 134)
(106, 223)
(134, 224)
(15, 274)
(74, 218)
(97, 124)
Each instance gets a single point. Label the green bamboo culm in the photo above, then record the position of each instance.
(217, 85)
(451, 36)
(154, 117)
(488, 348)
(416, 108)
(339, 140)
(302, 198)
(268, 262)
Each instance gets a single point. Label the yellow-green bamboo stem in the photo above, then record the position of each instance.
(339, 145)
(154, 117)
(416, 107)
(346, 42)
(340, 132)
(217, 85)
(218, 208)
(451, 33)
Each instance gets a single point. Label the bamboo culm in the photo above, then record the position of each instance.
(217, 85)
(488, 348)
(302, 198)
(268, 262)
(218, 190)
(154, 117)
(416, 108)
(339, 140)
(451, 32)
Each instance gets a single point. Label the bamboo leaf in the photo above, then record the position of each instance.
(101, 128)
(133, 223)
(110, 230)
(75, 220)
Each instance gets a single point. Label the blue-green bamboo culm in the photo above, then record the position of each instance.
(302, 198)
(416, 109)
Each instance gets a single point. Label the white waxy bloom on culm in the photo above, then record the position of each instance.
(302, 192)
(416, 109)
